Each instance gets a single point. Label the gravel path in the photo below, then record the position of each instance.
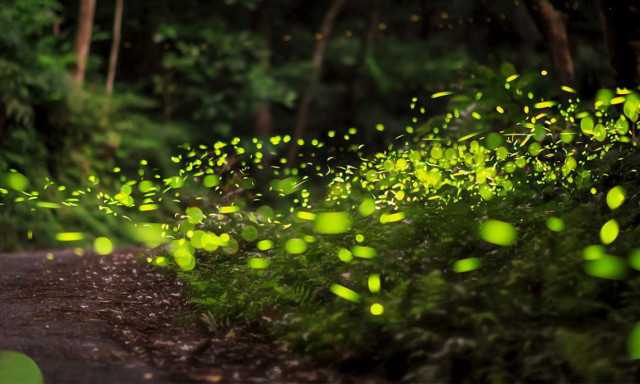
(114, 319)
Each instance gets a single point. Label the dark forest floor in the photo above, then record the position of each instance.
(114, 319)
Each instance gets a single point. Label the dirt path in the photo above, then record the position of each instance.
(113, 319)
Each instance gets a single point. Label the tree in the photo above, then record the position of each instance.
(115, 45)
(317, 61)
(262, 27)
(353, 90)
(83, 38)
(551, 23)
(621, 25)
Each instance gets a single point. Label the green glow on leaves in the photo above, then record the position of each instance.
(344, 293)
(332, 222)
(609, 232)
(615, 197)
(498, 232)
(467, 265)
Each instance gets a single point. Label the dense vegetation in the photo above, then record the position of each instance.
(470, 229)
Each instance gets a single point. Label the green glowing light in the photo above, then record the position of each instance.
(16, 367)
(344, 293)
(69, 236)
(148, 207)
(374, 283)
(102, 246)
(367, 207)
(250, 233)
(555, 224)
(345, 255)
(633, 343)
(264, 245)
(498, 232)
(194, 215)
(258, 263)
(183, 256)
(364, 252)
(15, 180)
(376, 309)
(609, 232)
(295, 246)
(615, 197)
(306, 215)
(467, 265)
(210, 181)
(46, 204)
(332, 222)
(634, 259)
(230, 209)
(145, 186)
(607, 267)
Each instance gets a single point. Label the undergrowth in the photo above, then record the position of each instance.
(493, 243)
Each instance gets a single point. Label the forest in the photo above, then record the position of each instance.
(342, 191)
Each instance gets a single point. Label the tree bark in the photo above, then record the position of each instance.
(263, 122)
(83, 38)
(553, 28)
(425, 22)
(353, 91)
(317, 61)
(115, 46)
(621, 26)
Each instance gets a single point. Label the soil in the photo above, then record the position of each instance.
(115, 319)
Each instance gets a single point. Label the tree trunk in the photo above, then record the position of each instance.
(553, 27)
(115, 46)
(263, 122)
(83, 38)
(317, 61)
(353, 91)
(621, 25)
(425, 22)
